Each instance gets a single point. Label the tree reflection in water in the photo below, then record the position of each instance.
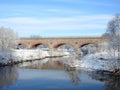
(55, 64)
(8, 75)
(73, 74)
(74, 77)
(111, 82)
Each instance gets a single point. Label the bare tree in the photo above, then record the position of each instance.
(8, 38)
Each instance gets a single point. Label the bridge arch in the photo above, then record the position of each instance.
(61, 44)
(65, 47)
(88, 48)
(22, 46)
(84, 44)
(39, 45)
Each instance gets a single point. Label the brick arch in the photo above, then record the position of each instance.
(87, 44)
(37, 44)
(60, 44)
(23, 45)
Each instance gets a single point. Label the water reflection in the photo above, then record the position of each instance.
(55, 64)
(8, 75)
(49, 63)
(111, 82)
(79, 78)
(74, 76)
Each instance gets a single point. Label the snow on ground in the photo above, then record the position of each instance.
(24, 55)
(98, 61)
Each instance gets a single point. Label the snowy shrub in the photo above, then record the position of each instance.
(8, 39)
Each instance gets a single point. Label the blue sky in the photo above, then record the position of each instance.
(58, 18)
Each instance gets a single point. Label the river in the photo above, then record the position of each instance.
(52, 74)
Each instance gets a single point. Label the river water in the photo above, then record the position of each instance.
(52, 74)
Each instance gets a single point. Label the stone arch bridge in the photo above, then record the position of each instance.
(52, 43)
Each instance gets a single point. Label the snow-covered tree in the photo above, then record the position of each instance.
(102, 47)
(8, 38)
(114, 34)
(106, 35)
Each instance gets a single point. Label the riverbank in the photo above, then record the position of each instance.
(102, 61)
(18, 56)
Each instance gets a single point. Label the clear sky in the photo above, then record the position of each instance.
(58, 18)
